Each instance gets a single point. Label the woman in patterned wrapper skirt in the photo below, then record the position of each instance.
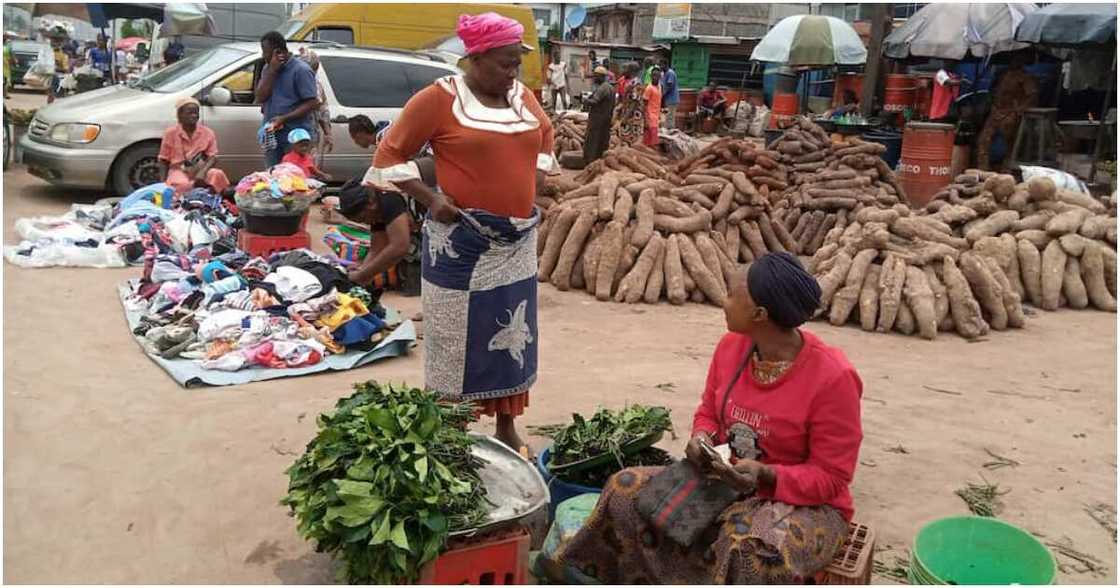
(492, 143)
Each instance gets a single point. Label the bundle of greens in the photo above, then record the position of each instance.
(607, 431)
(597, 477)
(388, 477)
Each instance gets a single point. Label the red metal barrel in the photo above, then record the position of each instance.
(901, 90)
(785, 106)
(927, 155)
(686, 106)
(923, 97)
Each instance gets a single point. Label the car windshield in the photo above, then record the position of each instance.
(190, 71)
(290, 28)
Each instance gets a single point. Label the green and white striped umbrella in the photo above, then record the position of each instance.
(811, 40)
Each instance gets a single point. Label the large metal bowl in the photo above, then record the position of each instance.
(513, 485)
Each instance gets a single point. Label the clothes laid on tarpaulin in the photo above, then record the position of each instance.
(294, 284)
(243, 312)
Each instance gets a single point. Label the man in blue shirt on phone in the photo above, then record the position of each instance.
(287, 92)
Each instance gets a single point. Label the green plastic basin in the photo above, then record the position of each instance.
(979, 550)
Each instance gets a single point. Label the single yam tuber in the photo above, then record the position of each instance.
(1073, 286)
(608, 190)
(674, 272)
(656, 282)
(846, 298)
(1012, 302)
(571, 249)
(1067, 222)
(1042, 189)
(988, 291)
(992, 226)
(1036, 220)
(1092, 273)
(940, 294)
(891, 281)
(963, 306)
(1075, 244)
(556, 237)
(1030, 267)
(623, 206)
(766, 228)
(710, 254)
(751, 233)
(920, 300)
(633, 286)
(1096, 227)
(904, 323)
(705, 280)
(831, 281)
(701, 221)
(1053, 271)
(869, 298)
(1082, 200)
(611, 253)
(1037, 237)
(645, 213)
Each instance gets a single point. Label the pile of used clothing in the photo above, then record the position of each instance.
(149, 222)
(281, 190)
(230, 312)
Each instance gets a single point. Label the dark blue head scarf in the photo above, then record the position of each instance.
(778, 283)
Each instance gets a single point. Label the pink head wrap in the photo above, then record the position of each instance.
(484, 32)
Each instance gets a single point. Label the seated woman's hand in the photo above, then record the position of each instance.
(746, 475)
(694, 453)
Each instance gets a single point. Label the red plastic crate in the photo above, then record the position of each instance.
(265, 245)
(500, 558)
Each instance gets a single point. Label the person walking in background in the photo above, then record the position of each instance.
(288, 93)
(493, 144)
(322, 115)
(652, 99)
(558, 80)
(1015, 92)
(100, 57)
(670, 94)
(8, 83)
(600, 115)
(61, 63)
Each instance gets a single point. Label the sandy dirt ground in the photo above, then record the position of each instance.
(115, 474)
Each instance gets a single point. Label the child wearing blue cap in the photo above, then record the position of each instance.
(300, 155)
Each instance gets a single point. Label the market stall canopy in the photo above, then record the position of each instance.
(811, 40)
(952, 31)
(187, 18)
(1069, 25)
(96, 13)
(130, 43)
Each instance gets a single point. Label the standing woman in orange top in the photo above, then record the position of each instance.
(492, 143)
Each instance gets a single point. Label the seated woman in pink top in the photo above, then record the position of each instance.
(189, 150)
(773, 506)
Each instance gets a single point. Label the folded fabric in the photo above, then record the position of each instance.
(680, 503)
(294, 284)
(348, 309)
(214, 271)
(220, 321)
(358, 330)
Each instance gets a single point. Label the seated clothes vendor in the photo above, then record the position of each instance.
(391, 226)
(189, 150)
(788, 405)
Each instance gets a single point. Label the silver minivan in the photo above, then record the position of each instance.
(109, 138)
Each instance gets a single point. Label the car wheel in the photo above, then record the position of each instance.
(137, 167)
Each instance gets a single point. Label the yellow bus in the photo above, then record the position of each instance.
(407, 26)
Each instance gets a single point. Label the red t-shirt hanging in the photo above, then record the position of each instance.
(806, 424)
(943, 95)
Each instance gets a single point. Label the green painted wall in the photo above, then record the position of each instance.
(690, 61)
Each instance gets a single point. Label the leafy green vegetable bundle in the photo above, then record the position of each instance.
(607, 431)
(388, 477)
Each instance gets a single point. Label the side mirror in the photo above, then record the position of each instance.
(219, 97)
(340, 120)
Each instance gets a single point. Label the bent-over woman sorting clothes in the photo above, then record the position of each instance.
(777, 510)
(492, 143)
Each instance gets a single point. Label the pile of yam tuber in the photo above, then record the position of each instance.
(570, 130)
(635, 227)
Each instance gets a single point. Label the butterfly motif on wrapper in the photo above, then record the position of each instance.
(514, 336)
(440, 243)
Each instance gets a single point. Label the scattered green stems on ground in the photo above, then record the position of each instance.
(388, 477)
(982, 499)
